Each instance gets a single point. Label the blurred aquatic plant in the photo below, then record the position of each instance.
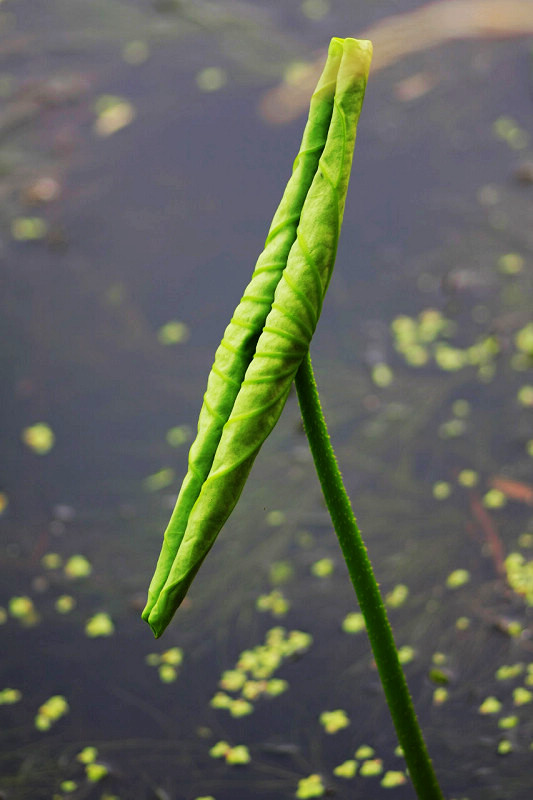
(264, 349)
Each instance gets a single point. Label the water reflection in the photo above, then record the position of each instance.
(157, 225)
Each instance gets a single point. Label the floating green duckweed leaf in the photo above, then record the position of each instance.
(178, 435)
(233, 755)
(221, 700)
(77, 567)
(524, 339)
(100, 624)
(353, 622)
(525, 396)
(240, 707)
(4, 502)
(521, 696)
(397, 596)
(347, 769)
(219, 749)
(491, 705)
(494, 498)
(275, 518)
(323, 568)
(511, 263)
(406, 653)
(441, 490)
(364, 751)
(9, 697)
(238, 755)
(437, 675)
(525, 539)
(457, 578)
(462, 623)
(310, 787)
(173, 332)
(268, 337)
(114, 113)
(393, 778)
(65, 603)
(370, 768)
(23, 609)
(449, 358)
(174, 656)
(96, 772)
(205, 797)
(461, 408)
(505, 747)
(280, 572)
(508, 671)
(159, 480)
(276, 686)
(68, 786)
(51, 561)
(452, 428)
(334, 721)
(88, 755)
(468, 478)
(28, 229)
(440, 695)
(382, 375)
(275, 602)
(50, 712)
(39, 437)
(520, 576)
(232, 680)
(211, 79)
(508, 722)
(167, 673)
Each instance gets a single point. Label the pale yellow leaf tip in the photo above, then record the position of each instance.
(359, 54)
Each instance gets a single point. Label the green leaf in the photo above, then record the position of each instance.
(270, 332)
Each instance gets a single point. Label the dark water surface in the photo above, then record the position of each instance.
(423, 356)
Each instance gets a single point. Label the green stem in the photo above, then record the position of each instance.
(366, 588)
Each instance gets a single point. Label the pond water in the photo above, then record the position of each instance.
(138, 179)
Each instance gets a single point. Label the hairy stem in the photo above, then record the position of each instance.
(366, 588)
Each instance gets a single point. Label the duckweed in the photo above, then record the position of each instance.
(252, 676)
(39, 437)
(323, 568)
(508, 722)
(275, 602)
(353, 622)
(371, 768)
(50, 712)
(311, 786)
(393, 778)
(77, 567)
(9, 697)
(65, 603)
(334, 721)
(508, 671)
(457, 578)
(521, 696)
(364, 751)
(347, 769)
(100, 624)
(491, 705)
(397, 596)
(441, 490)
(173, 332)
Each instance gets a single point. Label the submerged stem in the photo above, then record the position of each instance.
(366, 588)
